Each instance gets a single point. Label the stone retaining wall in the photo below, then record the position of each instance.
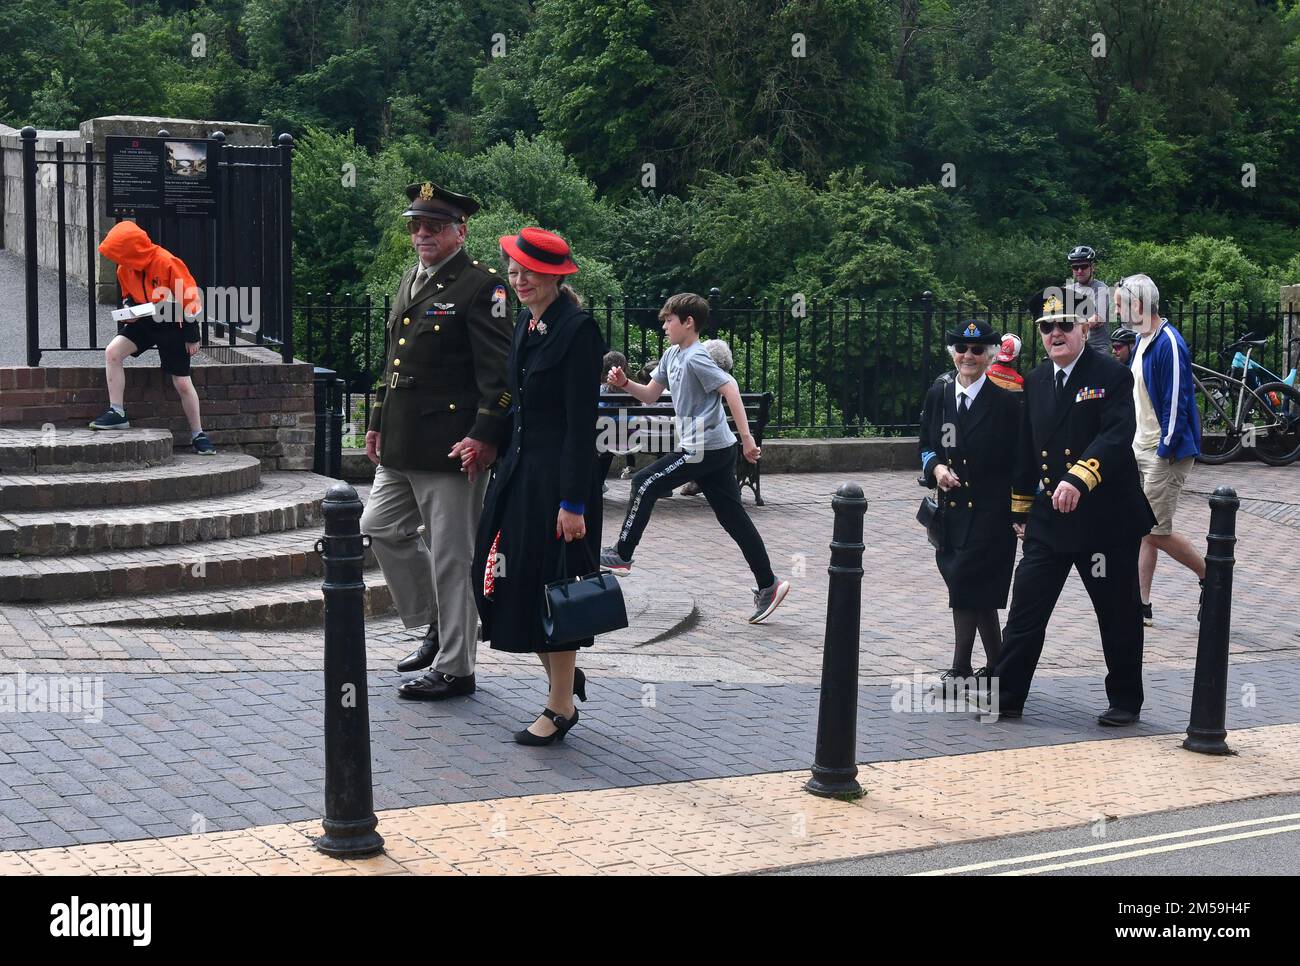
(264, 410)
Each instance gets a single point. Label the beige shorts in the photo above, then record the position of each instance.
(1162, 482)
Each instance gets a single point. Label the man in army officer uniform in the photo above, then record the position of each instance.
(443, 390)
(1077, 502)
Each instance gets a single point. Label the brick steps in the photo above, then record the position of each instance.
(61, 450)
(281, 501)
(246, 562)
(186, 477)
(280, 606)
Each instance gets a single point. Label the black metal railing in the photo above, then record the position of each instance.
(240, 256)
(848, 367)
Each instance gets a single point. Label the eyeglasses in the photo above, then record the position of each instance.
(1079, 268)
(1047, 325)
(432, 225)
(961, 348)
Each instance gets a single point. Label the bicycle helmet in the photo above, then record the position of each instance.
(1081, 253)
(1126, 336)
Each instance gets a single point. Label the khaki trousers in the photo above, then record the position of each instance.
(429, 579)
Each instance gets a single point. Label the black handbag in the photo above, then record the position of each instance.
(582, 607)
(930, 517)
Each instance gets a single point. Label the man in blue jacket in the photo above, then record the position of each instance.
(1168, 437)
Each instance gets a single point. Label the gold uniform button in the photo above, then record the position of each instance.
(1067, 452)
(969, 506)
(406, 321)
(452, 406)
(397, 362)
(401, 342)
(437, 328)
(965, 484)
(492, 270)
(1044, 452)
(1044, 466)
(1046, 481)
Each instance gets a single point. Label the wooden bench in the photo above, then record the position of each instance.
(758, 406)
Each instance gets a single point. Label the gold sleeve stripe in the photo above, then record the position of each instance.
(1021, 504)
(1088, 471)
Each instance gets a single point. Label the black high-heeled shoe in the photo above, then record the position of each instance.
(562, 726)
(580, 684)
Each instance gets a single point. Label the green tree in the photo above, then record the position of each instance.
(599, 82)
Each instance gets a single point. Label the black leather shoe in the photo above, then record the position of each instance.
(562, 726)
(1009, 713)
(421, 657)
(579, 684)
(435, 686)
(1118, 717)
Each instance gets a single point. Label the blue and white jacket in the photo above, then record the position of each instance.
(1167, 373)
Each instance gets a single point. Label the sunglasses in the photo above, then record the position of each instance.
(1065, 325)
(432, 225)
(961, 348)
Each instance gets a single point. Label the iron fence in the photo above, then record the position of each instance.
(848, 367)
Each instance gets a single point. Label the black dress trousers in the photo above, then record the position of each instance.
(1110, 575)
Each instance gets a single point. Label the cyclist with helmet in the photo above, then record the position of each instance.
(1122, 341)
(1091, 296)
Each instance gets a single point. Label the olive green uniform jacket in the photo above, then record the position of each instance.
(444, 374)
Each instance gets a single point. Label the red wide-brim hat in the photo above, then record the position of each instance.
(540, 251)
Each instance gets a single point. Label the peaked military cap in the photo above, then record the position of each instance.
(428, 200)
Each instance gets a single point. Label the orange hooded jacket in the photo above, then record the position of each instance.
(148, 272)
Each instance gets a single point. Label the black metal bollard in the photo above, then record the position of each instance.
(349, 797)
(1207, 731)
(835, 769)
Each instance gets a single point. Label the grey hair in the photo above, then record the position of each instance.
(720, 353)
(1144, 290)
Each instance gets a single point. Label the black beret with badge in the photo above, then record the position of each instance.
(428, 200)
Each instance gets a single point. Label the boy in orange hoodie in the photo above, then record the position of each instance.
(149, 273)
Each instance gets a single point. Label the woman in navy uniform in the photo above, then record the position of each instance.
(544, 498)
(968, 445)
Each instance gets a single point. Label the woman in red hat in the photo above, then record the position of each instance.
(544, 498)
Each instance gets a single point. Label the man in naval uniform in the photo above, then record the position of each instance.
(1077, 502)
(443, 389)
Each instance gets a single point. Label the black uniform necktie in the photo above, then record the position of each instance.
(1060, 385)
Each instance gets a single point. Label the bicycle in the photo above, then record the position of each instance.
(1259, 411)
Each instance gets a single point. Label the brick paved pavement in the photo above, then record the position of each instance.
(226, 724)
(736, 825)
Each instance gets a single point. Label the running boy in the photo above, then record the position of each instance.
(150, 273)
(708, 448)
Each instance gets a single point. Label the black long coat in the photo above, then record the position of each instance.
(979, 545)
(550, 456)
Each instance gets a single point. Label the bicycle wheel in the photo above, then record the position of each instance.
(1274, 414)
(1220, 440)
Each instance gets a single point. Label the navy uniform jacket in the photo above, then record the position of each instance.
(445, 367)
(1088, 440)
(978, 509)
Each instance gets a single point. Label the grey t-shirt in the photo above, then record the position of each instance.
(694, 379)
(1090, 298)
